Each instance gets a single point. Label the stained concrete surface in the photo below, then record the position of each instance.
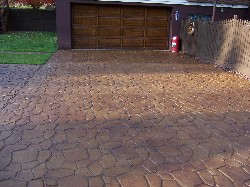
(123, 118)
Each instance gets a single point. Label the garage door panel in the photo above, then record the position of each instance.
(133, 11)
(156, 42)
(86, 21)
(133, 22)
(133, 42)
(78, 32)
(109, 32)
(109, 21)
(84, 10)
(156, 33)
(85, 42)
(156, 13)
(109, 42)
(107, 10)
(161, 23)
(119, 26)
(133, 32)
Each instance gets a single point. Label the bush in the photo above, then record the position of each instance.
(36, 3)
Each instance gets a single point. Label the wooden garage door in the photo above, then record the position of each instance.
(118, 26)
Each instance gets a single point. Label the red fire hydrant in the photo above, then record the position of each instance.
(175, 44)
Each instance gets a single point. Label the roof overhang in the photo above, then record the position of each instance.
(180, 2)
(229, 2)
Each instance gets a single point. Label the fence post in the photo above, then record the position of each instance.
(214, 11)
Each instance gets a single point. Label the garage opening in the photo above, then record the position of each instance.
(119, 26)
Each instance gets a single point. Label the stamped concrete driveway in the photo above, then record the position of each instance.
(123, 118)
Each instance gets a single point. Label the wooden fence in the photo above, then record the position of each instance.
(225, 43)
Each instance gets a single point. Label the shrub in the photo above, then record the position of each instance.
(36, 3)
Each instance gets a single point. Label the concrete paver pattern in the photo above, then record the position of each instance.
(123, 118)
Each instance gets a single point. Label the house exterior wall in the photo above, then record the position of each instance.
(63, 16)
(227, 13)
(63, 24)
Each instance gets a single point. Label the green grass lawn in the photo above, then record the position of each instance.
(35, 59)
(42, 42)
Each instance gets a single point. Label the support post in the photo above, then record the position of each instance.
(214, 11)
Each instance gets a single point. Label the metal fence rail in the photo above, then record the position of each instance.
(225, 43)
